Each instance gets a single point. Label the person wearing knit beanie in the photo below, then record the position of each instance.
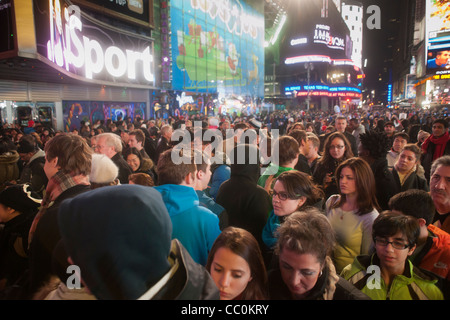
(120, 238)
(104, 171)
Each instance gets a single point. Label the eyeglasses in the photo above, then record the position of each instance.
(282, 196)
(339, 147)
(396, 244)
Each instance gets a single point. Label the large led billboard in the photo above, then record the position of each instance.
(86, 49)
(438, 37)
(217, 47)
(315, 33)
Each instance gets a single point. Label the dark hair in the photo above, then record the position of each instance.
(401, 135)
(299, 135)
(127, 151)
(326, 158)
(376, 143)
(441, 121)
(299, 184)
(365, 185)
(139, 134)
(388, 223)
(288, 150)
(243, 243)
(414, 202)
(170, 172)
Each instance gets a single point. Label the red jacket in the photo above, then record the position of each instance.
(435, 256)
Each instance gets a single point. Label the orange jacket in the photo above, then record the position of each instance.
(435, 256)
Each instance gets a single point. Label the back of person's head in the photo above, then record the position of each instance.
(314, 138)
(288, 150)
(73, 153)
(240, 126)
(299, 135)
(141, 178)
(306, 232)
(377, 144)
(245, 161)
(174, 165)
(243, 243)
(104, 171)
(129, 253)
(7, 145)
(414, 202)
(389, 223)
(299, 184)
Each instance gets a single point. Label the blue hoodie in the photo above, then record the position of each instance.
(194, 226)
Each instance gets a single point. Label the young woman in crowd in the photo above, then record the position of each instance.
(336, 150)
(237, 267)
(406, 170)
(352, 211)
(292, 191)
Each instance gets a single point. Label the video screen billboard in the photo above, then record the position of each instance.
(217, 47)
(438, 37)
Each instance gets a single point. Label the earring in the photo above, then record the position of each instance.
(320, 274)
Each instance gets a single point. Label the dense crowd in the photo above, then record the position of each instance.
(275, 206)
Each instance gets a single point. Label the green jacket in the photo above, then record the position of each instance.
(413, 284)
(272, 171)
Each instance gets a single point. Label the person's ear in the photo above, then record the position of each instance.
(411, 250)
(301, 202)
(200, 174)
(422, 222)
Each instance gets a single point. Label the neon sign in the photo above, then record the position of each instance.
(69, 48)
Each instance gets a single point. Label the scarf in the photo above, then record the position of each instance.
(439, 142)
(59, 183)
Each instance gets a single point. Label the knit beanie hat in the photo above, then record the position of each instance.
(21, 198)
(119, 237)
(103, 169)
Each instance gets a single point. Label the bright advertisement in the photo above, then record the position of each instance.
(438, 36)
(217, 47)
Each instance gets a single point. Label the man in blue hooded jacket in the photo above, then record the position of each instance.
(196, 227)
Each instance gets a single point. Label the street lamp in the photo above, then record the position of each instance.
(308, 66)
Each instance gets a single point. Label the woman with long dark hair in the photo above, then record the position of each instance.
(352, 211)
(237, 267)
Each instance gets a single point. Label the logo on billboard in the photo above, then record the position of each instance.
(69, 47)
(322, 34)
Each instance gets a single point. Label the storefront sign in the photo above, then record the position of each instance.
(89, 50)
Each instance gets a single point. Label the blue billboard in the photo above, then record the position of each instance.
(217, 47)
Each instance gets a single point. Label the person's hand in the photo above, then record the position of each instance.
(327, 179)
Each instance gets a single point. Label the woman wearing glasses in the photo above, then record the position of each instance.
(292, 191)
(336, 150)
(352, 211)
(388, 274)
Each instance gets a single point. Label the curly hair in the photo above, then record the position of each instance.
(376, 143)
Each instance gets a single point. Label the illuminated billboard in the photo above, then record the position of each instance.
(315, 33)
(217, 47)
(438, 37)
(87, 50)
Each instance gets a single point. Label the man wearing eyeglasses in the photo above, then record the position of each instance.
(388, 274)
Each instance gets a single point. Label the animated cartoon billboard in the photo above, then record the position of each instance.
(217, 47)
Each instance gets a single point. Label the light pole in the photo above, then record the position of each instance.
(308, 66)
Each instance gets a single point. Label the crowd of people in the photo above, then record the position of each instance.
(278, 206)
